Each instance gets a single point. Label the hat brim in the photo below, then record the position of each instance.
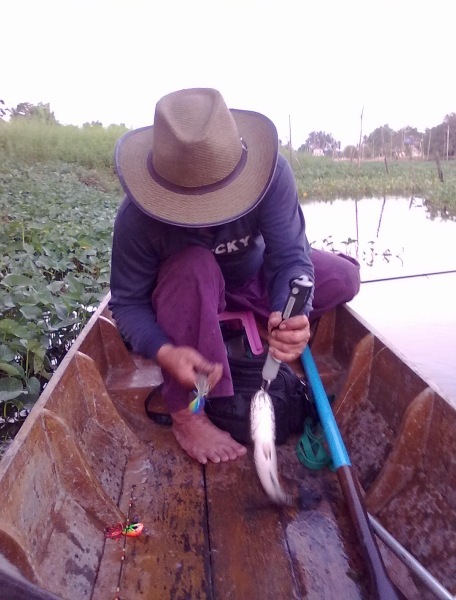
(200, 207)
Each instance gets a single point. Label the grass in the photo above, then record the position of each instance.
(318, 178)
(322, 178)
(33, 141)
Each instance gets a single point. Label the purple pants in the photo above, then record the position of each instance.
(190, 294)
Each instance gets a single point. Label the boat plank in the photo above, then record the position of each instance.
(263, 551)
(171, 560)
(249, 553)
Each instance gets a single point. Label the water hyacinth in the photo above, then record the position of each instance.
(55, 248)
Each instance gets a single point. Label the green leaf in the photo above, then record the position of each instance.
(10, 327)
(74, 284)
(62, 324)
(31, 312)
(56, 286)
(10, 388)
(34, 386)
(16, 281)
(6, 355)
(61, 311)
(10, 369)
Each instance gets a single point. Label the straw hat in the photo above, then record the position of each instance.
(200, 164)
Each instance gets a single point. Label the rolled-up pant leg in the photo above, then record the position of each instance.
(190, 294)
(337, 280)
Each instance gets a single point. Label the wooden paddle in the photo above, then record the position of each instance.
(383, 587)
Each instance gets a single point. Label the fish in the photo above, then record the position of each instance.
(262, 429)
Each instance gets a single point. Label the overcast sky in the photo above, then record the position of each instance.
(318, 62)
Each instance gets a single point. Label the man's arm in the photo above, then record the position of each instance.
(134, 268)
(287, 250)
(286, 257)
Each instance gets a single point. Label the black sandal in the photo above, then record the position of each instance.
(160, 418)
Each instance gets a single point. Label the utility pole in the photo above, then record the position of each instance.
(360, 137)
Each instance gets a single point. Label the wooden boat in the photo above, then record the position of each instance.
(88, 457)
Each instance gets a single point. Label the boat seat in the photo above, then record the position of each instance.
(125, 374)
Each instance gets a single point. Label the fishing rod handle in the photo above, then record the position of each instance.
(300, 290)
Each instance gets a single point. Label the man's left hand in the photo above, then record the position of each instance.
(287, 338)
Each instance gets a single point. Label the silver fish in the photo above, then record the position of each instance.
(262, 426)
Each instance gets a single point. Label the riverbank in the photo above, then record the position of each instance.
(318, 178)
(321, 178)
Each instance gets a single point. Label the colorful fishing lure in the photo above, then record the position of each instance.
(128, 530)
(202, 390)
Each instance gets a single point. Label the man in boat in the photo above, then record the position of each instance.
(211, 221)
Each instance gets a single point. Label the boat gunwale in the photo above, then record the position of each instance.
(400, 355)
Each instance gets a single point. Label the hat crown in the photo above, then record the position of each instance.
(195, 138)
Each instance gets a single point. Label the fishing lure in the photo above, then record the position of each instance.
(131, 528)
(262, 422)
(128, 530)
(202, 390)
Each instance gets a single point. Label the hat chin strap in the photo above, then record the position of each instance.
(201, 189)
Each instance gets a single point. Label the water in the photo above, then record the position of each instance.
(391, 237)
(401, 249)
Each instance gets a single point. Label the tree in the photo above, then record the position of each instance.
(450, 121)
(439, 137)
(39, 112)
(350, 152)
(320, 141)
(88, 125)
(412, 140)
(380, 141)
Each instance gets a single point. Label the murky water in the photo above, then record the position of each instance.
(403, 253)
(392, 237)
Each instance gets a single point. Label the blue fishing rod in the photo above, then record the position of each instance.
(383, 587)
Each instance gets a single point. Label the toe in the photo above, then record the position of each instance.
(214, 456)
(202, 460)
(240, 450)
(235, 451)
(224, 454)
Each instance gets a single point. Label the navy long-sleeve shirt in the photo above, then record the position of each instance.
(272, 234)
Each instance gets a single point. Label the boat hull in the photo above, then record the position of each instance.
(88, 457)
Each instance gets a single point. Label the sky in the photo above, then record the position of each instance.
(313, 64)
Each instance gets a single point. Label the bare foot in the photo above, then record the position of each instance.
(202, 440)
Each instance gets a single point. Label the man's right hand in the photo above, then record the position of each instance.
(183, 363)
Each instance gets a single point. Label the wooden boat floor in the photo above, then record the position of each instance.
(212, 533)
